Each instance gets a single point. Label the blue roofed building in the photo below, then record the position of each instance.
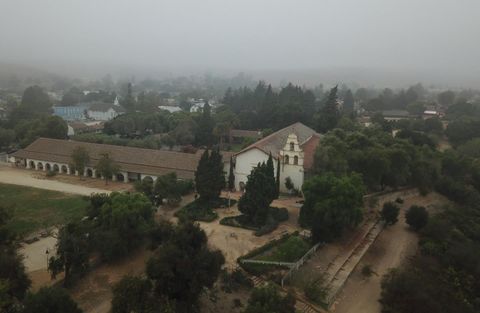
(71, 113)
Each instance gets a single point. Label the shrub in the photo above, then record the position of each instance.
(279, 214)
(417, 217)
(390, 213)
(51, 174)
(399, 200)
(315, 290)
(367, 271)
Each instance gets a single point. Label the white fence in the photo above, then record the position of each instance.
(300, 262)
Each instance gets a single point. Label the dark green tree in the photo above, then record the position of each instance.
(167, 187)
(36, 99)
(80, 159)
(417, 217)
(329, 114)
(72, 97)
(446, 98)
(270, 172)
(129, 101)
(267, 299)
(209, 176)
(125, 220)
(348, 102)
(183, 266)
(331, 205)
(107, 167)
(206, 124)
(50, 300)
(14, 281)
(135, 294)
(277, 181)
(390, 213)
(72, 252)
(255, 202)
(231, 176)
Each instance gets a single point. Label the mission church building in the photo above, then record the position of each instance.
(294, 146)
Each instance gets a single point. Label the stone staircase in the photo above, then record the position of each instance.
(343, 265)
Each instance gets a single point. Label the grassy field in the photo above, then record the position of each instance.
(33, 209)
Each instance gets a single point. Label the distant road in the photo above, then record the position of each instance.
(14, 176)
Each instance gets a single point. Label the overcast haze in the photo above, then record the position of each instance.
(421, 36)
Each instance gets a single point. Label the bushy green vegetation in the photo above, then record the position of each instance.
(444, 277)
(267, 299)
(117, 225)
(383, 161)
(181, 267)
(33, 209)
(389, 213)
(200, 211)
(332, 204)
(275, 216)
(166, 188)
(290, 250)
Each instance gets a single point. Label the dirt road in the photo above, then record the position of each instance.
(9, 175)
(392, 248)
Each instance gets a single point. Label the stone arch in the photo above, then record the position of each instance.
(89, 172)
(292, 146)
(40, 165)
(32, 164)
(56, 168)
(295, 160)
(48, 166)
(64, 169)
(120, 177)
(287, 159)
(148, 179)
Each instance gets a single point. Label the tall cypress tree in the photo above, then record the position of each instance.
(255, 202)
(209, 177)
(231, 176)
(329, 113)
(277, 182)
(270, 172)
(129, 103)
(206, 124)
(201, 176)
(217, 175)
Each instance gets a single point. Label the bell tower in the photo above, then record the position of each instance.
(291, 157)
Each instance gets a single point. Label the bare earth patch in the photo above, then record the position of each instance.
(23, 177)
(393, 247)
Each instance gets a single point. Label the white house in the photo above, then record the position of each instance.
(101, 111)
(170, 108)
(292, 147)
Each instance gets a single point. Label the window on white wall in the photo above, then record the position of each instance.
(292, 146)
(287, 160)
(295, 160)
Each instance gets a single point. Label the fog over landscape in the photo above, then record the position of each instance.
(364, 42)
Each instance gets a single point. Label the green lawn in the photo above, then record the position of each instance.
(290, 250)
(33, 209)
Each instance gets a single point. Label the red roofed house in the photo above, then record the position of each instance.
(294, 145)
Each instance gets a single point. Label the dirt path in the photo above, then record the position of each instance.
(393, 247)
(93, 293)
(9, 175)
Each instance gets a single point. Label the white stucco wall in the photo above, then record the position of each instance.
(246, 161)
(102, 116)
(296, 174)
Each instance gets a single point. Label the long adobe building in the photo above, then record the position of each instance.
(135, 164)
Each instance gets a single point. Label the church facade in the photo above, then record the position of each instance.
(292, 148)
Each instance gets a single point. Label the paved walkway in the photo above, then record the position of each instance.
(14, 176)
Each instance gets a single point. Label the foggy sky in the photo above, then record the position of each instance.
(403, 35)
